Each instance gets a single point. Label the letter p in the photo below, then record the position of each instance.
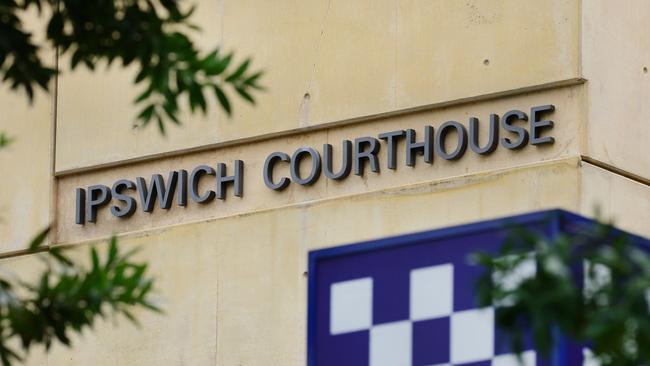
(98, 196)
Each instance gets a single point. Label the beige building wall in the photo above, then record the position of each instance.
(328, 61)
(231, 274)
(616, 61)
(27, 164)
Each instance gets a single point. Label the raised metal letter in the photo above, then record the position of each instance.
(536, 125)
(182, 188)
(420, 148)
(237, 179)
(522, 134)
(346, 161)
(80, 208)
(157, 189)
(461, 145)
(117, 189)
(98, 195)
(314, 170)
(391, 146)
(194, 184)
(268, 171)
(361, 153)
(493, 135)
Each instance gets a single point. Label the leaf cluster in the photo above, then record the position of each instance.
(20, 62)
(592, 286)
(152, 34)
(5, 139)
(69, 297)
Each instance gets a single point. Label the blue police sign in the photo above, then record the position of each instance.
(410, 300)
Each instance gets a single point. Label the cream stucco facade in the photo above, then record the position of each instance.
(232, 275)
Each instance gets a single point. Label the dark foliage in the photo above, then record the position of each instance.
(4, 140)
(152, 34)
(593, 286)
(69, 297)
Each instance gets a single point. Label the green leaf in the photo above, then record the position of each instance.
(39, 239)
(77, 56)
(142, 74)
(112, 253)
(151, 307)
(170, 110)
(161, 125)
(131, 318)
(89, 63)
(223, 100)
(244, 94)
(252, 80)
(95, 259)
(197, 98)
(223, 64)
(5, 140)
(7, 355)
(30, 92)
(59, 257)
(145, 94)
(239, 72)
(147, 113)
(211, 62)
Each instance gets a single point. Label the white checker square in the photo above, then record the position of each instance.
(472, 335)
(589, 359)
(351, 306)
(529, 358)
(390, 344)
(432, 292)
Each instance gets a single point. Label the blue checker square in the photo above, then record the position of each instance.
(431, 341)
(410, 301)
(355, 346)
(482, 363)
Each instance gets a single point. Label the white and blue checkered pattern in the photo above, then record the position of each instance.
(434, 334)
(411, 300)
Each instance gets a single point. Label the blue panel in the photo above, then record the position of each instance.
(390, 264)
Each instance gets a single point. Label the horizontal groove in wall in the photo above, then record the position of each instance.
(610, 168)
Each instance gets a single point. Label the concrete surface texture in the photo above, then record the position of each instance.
(232, 273)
